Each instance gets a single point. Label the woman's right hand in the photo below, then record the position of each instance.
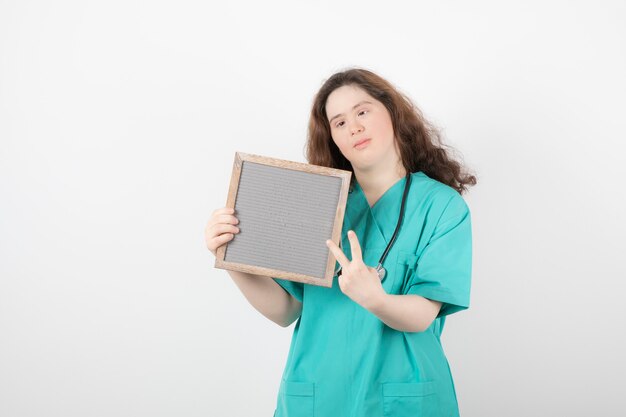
(220, 229)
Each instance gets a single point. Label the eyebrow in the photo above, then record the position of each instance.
(353, 107)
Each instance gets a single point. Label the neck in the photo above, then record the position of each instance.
(374, 182)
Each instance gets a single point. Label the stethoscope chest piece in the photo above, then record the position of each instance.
(382, 272)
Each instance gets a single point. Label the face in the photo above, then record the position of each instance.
(361, 128)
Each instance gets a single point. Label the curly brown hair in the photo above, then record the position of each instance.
(419, 142)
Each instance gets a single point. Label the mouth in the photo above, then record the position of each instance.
(362, 143)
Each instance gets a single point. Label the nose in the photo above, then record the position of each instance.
(356, 127)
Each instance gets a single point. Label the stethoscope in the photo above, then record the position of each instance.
(380, 269)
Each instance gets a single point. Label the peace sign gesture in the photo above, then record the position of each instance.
(357, 280)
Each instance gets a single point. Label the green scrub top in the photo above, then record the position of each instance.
(343, 360)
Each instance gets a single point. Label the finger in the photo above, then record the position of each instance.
(221, 239)
(355, 246)
(215, 243)
(226, 219)
(338, 253)
(222, 218)
(221, 228)
(223, 210)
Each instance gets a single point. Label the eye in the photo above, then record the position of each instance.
(363, 112)
(339, 124)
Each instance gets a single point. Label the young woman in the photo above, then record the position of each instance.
(370, 345)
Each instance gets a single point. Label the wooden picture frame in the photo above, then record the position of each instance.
(286, 211)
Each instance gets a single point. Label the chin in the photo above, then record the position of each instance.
(363, 166)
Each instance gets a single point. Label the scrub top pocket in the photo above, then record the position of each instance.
(410, 399)
(297, 399)
(406, 263)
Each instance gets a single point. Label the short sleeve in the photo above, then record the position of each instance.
(444, 268)
(296, 289)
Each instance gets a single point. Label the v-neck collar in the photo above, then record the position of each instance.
(386, 194)
(359, 213)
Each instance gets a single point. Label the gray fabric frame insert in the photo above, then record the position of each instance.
(285, 217)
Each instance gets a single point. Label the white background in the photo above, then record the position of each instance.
(118, 125)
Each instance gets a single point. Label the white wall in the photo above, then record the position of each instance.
(118, 125)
